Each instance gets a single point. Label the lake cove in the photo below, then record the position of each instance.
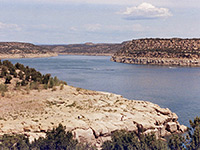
(176, 88)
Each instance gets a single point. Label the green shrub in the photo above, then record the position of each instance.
(176, 142)
(46, 86)
(51, 83)
(3, 88)
(34, 85)
(8, 79)
(12, 70)
(193, 139)
(56, 139)
(8, 64)
(45, 78)
(14, 142)
(24, 83)
(4, 72)
(56, 81)
(17, 84)
(21, 75)
(124, 140)
(20, 66)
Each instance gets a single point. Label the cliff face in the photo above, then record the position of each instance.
(17, 50)
(85, 49)
(183, 52)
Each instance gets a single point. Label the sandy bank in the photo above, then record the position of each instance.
(6, 56)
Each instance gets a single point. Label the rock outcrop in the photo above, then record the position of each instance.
(180, 52)
(91, 116)
(23, 50)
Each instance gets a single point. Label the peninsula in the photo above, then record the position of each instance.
(175, 51)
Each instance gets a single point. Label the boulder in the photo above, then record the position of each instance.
(84, 135)
(171, 127)
(183, 128)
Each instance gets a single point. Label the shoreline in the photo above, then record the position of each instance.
(87, 54)
(182, 62)
(13, 56)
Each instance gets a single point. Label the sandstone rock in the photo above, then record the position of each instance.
(27, 129)
(161, 130)
(84, 135)
(183, 128)
(100, 114)
(155, 131)
(171, 127)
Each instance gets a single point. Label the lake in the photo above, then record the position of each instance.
(177, 88)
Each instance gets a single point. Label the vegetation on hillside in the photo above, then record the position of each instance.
(161, 48)
(25, 77)
(88, 48)
(21, 48)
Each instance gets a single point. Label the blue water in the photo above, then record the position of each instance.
(177, 88)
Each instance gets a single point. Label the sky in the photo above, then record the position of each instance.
(97, 21)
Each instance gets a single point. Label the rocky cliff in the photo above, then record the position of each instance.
(175, 51)
(91, 116)
(22, 50)
(85, 49)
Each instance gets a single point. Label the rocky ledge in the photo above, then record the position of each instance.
(175, 51)
(91, 116)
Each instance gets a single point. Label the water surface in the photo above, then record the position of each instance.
(177, 88)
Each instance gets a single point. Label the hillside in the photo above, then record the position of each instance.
(32, 103)
(85, 49)
(175, 51)
(21, 50)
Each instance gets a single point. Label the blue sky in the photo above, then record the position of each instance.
(97, 21)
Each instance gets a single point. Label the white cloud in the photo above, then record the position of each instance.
(146, 11)
(92, 27)
(10, 27)
(73, 29)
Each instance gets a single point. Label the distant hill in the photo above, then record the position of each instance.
(85, 49)
(18, 49)
(175, 51)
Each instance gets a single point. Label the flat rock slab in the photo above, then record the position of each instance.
(91, 116)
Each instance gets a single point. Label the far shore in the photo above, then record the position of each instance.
(12, 56)
(88, 54)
